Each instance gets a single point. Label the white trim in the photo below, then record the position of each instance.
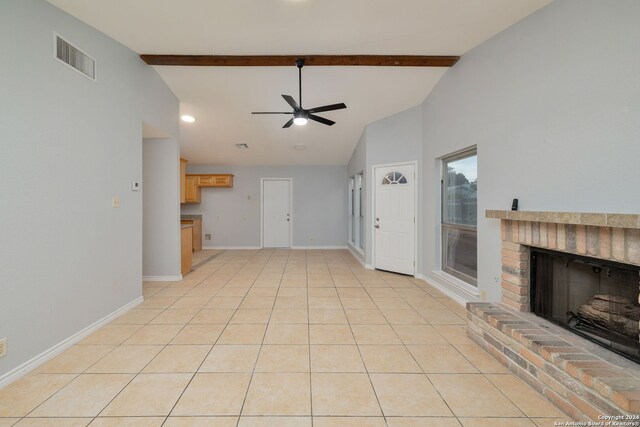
(162, 278)
(444, 289)
(357, 249)
(319, 247)
(454, 281)
(416, 210)
(231, 247)
(50, 353)
(262, 180)
(359, 258)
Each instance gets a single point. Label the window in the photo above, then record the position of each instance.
(356, 211)
(394, 178)
(352, 211)
(359, 179)
(459, 216)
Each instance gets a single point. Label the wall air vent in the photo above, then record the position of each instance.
(242, 146)
(68, 54)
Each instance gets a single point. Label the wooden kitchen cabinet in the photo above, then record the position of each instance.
(197, 232)
(190, 184)
(191, 189)
(215, 180)
(186, 245)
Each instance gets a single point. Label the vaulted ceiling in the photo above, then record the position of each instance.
(222, 98)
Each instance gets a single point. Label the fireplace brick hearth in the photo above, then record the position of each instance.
(581, 378)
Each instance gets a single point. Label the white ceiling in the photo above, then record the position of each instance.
(222, 98)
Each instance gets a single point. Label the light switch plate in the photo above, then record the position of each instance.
(135, 186)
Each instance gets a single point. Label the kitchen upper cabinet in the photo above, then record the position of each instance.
(216, 180)
(190, 184)
(191, 189)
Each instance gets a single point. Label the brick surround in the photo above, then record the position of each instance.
(613, 237)
(581, 378)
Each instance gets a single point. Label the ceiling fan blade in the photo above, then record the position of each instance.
(288, 124)
(321, 120)
(270, 112)
(291, 102)
(327, 108)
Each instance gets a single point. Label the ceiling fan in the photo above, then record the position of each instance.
(302, 115)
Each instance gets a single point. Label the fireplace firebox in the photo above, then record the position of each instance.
(593, 298)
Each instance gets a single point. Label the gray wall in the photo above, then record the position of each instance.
(67, 146)
(161, 210)
(553, 106)
(394, 139)
(232, 215)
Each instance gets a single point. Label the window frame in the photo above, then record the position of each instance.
(445, 225)
(352, 220)
(360, 210)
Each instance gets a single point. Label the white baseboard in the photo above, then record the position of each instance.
(162, 278)
(459, 295)
(358, 256)
(231, 247)
(318, 247)
(50, 353)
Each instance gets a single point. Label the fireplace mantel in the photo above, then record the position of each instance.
(631, 221)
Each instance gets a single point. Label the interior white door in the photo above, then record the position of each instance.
(276, 216)
(394, 219)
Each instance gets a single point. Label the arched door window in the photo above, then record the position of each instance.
(394, 178)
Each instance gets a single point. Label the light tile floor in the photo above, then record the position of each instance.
(280, 338)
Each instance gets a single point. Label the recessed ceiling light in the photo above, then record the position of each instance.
(187, 118)
(300, 147)
(242, 146)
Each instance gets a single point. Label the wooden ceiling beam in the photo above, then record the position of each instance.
(310, 60)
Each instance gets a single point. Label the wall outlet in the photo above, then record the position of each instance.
(115, 202)
(207, 237)
(3, 347)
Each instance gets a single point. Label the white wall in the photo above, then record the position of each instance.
(161, 209)
(67, 146)
(232, 215)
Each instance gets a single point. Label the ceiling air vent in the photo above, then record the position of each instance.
(69, 54)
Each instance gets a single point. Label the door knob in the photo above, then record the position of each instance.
(377, 226)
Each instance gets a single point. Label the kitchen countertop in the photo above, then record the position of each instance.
(190, 216)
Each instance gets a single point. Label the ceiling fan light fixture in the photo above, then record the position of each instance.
(299, 118)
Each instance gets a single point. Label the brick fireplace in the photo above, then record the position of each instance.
(583, 379)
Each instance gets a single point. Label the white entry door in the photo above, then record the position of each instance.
(276, 213)
(394, 218)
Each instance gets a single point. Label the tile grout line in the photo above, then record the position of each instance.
(264, 335)
(375, 393)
